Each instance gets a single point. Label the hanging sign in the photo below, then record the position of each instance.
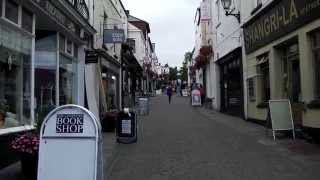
(91, 57)
(113, 36)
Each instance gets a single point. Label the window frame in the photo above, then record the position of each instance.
(18, 21)
(315, 48)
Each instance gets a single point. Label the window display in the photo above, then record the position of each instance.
(15, 78)
(67, 80)
(45, 73)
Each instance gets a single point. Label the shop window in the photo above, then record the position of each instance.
(67, 80)
(132, 44)
(75, 51)
(27, 20)
(69, 47)
(291, 80)
(316, 55)
(45, 73)
(1, 2)
(251, 90)
(263, 71)
(12, 11)
(62, 43)
(15, 79)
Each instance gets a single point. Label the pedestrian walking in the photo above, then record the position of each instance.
(169, 93)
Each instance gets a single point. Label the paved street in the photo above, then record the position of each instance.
(180, 142)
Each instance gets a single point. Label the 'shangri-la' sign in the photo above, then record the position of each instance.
(278, 19)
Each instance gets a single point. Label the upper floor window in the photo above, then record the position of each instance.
(218, 9)
(132, 44)
(12, 11)
(1, 1)
(27, 20)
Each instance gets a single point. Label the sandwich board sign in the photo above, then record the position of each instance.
(196, 98)
(281, 116)
(70, 145)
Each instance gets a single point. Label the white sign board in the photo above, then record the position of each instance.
(281, 116)
(196, 98)
(70, 145)
(184, 92)
(126, 126)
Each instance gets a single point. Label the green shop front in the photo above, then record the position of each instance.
(282, 61)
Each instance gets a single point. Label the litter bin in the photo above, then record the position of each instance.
(126, 129)
(143, 106)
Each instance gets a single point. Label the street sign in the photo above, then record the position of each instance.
(196, 98)
(70, 145)
(113, 36)
(281, 116)
(91, 57)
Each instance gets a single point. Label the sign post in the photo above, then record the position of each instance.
(196, 98)
(281, 116)
(70, 145)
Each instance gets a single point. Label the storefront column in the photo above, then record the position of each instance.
(275, 74)
(306, 67)
(81, 74)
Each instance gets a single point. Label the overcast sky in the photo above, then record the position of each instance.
(171, 23)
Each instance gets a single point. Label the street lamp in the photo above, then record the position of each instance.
(229, 12)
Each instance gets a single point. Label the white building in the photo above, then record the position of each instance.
(105, 77)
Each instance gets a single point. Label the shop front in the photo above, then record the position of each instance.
(41, 63)
(231, 87)
(282, 61)
(110, 73)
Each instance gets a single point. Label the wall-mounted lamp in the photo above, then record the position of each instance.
(229, 12)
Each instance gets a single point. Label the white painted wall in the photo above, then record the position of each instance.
(140, 43)
(226, 36)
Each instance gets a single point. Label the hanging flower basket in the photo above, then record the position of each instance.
(206, 51)
(201, 61)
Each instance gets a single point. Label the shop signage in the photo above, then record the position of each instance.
(91, 57)
(70, 145)
(113, 36)
(278, 19)
(69, 123)
(57, 14)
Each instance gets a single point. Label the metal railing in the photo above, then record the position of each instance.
(81, 6)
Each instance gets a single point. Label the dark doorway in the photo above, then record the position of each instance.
(231, 84)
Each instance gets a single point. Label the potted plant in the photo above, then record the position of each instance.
(27, 146)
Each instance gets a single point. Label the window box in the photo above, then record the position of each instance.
(315, 104)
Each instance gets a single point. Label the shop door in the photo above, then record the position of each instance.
(292, 91)
(232, 89)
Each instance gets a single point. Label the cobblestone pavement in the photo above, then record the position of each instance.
(180, 142)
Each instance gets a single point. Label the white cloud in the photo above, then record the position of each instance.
(171, 23)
